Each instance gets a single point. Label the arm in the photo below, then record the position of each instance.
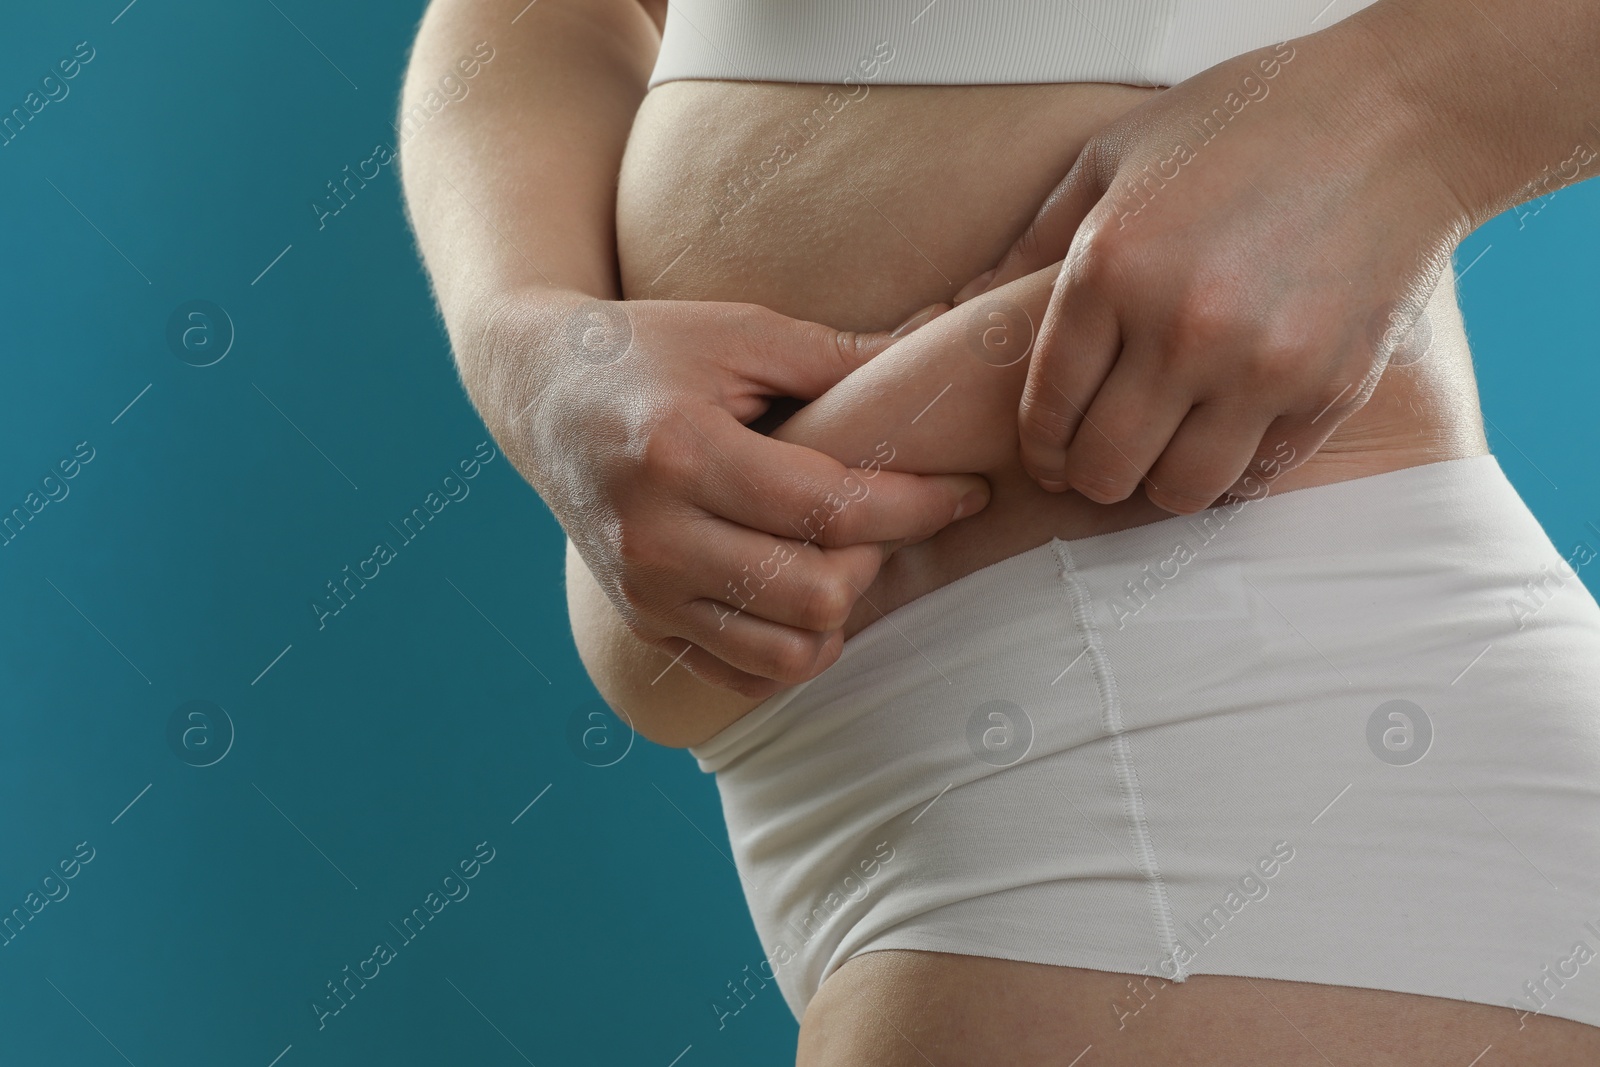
(1244, 252)
(942, 399)
(623, 416)
(511, 190)
(1505, 95)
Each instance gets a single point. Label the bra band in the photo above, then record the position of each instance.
(974, 42)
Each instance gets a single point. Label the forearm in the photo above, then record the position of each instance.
(1504, 94)
(512, 190)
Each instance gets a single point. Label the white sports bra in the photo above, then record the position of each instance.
(974, 42)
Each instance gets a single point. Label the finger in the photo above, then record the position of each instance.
(1125, 429)
(1293, 438)
(900, 506)
(711, 670)
(783, 356)
(749, 629)
(750, 644)
(1337, 402)
(976, 287)
(1048, 237)
(793, 491)
(915, 322)
(1209, 453)
(1079, 341)
(737, 580)
(791, 583)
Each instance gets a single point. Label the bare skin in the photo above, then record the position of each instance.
(889, 216)
(941, 399)
(1220, 292)
(909, 1009)
(866, 271)
(511, 192)
(512, 199)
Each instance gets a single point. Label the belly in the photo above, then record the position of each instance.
(856, 207)
(847, 211)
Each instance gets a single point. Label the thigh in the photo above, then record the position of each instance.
(911, 1009)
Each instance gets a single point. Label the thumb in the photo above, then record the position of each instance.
(873, 344)
(971, 492)
(1049, 236)
(805, 359)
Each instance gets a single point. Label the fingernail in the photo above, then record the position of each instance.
(1050, 483)
(969, 504)
(917, 320)
(975, 286)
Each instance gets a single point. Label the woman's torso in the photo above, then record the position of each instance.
(856, 206)
(895, 200)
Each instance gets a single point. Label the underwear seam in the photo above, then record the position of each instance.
(1122, 753)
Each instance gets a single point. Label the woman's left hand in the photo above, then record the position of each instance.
(1243, 254)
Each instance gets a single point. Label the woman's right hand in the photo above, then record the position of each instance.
(738, 554)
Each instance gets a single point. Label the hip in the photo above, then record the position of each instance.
(1390, 683)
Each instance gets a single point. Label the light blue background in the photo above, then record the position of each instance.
(375, 753)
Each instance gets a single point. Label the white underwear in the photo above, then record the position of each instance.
(1347, 734)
